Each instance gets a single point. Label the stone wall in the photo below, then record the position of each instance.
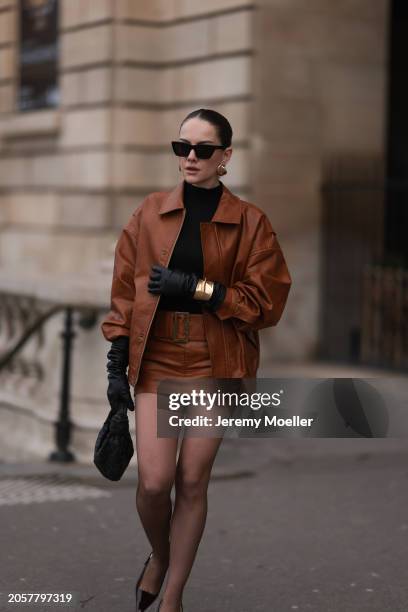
(129, 73)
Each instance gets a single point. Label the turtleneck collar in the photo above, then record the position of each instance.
(202, 192)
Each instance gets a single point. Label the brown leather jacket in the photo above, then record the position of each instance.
(240, 250)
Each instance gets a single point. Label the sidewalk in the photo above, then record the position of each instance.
(301, 536)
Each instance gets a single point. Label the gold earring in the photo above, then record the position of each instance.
(221, 170)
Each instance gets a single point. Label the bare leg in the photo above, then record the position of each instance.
(156, 469)
(194, 466)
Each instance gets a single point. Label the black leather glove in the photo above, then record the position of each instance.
(118, 359)
(216, 298)
(172, 282)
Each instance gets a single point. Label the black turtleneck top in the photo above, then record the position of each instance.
(200, 204)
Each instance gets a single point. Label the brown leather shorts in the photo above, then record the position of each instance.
(176, 348)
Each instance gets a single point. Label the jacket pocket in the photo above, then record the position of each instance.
(250, 342)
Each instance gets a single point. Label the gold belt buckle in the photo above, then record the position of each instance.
(185, 338)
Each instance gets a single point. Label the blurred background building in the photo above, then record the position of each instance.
(91, 94)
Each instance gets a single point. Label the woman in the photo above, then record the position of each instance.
(197, 273)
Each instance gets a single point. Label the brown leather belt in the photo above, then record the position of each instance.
(178, 326)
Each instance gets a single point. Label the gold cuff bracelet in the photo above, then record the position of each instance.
(204, 289)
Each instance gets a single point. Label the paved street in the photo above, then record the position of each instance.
(286, 531)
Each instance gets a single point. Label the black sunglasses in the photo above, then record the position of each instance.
(203, 151)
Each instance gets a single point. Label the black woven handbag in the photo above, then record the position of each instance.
(114, 446)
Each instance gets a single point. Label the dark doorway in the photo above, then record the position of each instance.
(396, 209)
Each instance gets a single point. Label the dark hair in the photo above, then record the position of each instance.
(221, 124)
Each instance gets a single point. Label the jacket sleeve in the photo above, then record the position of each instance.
(259, 298)
(117, 321)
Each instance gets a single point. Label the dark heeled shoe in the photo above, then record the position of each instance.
(144, 599)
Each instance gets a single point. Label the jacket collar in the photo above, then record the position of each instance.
(228, 210)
